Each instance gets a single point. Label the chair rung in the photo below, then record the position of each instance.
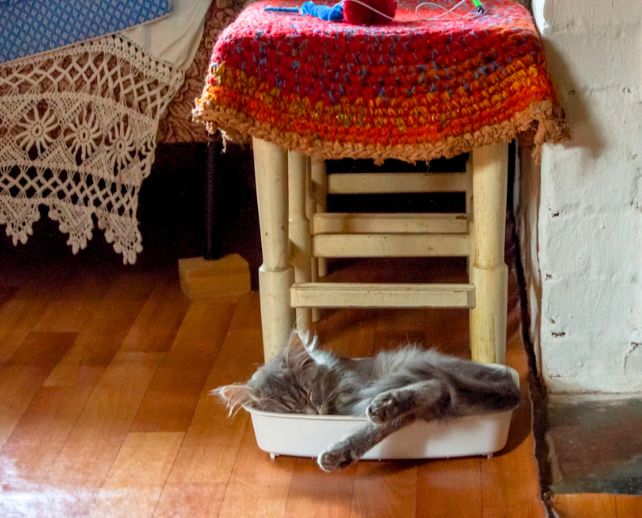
(405, 223)
(390, 245)
(379, 183)
(360, 295)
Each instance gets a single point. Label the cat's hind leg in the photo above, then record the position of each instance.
(428, 399)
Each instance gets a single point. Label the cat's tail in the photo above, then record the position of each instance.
(493, 391)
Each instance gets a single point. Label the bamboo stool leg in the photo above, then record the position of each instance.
(319, 180)
(310, 210)
(489, 273)
(471, 216)
(299, 229)
(275, 274)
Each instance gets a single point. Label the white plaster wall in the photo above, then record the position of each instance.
(580, 213)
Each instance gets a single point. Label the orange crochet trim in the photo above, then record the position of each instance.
(544, 118)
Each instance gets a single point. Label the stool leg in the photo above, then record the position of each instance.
(275, 274)
(299, 228)
(489, 273)
(310, 210)
(319, 179)
(471, 218)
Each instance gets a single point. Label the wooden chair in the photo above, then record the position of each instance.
(290, 241)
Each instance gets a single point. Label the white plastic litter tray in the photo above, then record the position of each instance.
(303, 435)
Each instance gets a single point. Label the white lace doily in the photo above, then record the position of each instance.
(78, 135)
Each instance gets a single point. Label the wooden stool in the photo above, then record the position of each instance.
(410, 91)
(288, 247)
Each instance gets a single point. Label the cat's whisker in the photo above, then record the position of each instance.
(234, 396)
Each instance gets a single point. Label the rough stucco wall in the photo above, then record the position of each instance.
(581, 226)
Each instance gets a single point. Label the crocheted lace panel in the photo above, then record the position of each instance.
(78, 135)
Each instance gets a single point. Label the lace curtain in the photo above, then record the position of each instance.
(78, 134)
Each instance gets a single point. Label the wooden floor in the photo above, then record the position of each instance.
(104, 409)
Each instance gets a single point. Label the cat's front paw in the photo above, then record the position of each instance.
(383, 408)
(335, 460)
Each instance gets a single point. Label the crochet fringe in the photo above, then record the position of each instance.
(544, 118)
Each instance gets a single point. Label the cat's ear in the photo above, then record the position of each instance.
(303, 351)
(296, 342)
(235, 396)
(297, 354)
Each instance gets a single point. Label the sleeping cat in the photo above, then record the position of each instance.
(393, 389)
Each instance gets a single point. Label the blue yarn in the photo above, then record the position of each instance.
(324, 12)
(282, 9)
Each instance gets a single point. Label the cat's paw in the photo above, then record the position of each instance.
(383, 408)
(335, 460)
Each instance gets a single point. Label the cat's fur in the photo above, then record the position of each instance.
(392, 389)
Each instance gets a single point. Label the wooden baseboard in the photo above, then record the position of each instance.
(226, 277)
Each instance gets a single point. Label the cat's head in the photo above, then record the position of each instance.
(301, 379)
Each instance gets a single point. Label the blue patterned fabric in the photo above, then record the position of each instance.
(33, 26)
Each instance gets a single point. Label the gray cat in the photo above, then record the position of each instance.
(393, 389)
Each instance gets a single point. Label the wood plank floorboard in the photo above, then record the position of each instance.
(105, 409)
(197, 483)
(257, 486)
(450, 488)
(319, 497)
(159, 319)
(598, 505)
(42, 430)
(385, 490)
(75, 302)
(171, 398)
(103, 333)
(628, 506)
(579, 505)
(24, 372)
(101, 428)
(136, 478)
(18, 317)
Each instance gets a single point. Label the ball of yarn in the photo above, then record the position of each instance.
(359, 14)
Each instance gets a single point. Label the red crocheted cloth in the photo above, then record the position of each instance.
(412, 90)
